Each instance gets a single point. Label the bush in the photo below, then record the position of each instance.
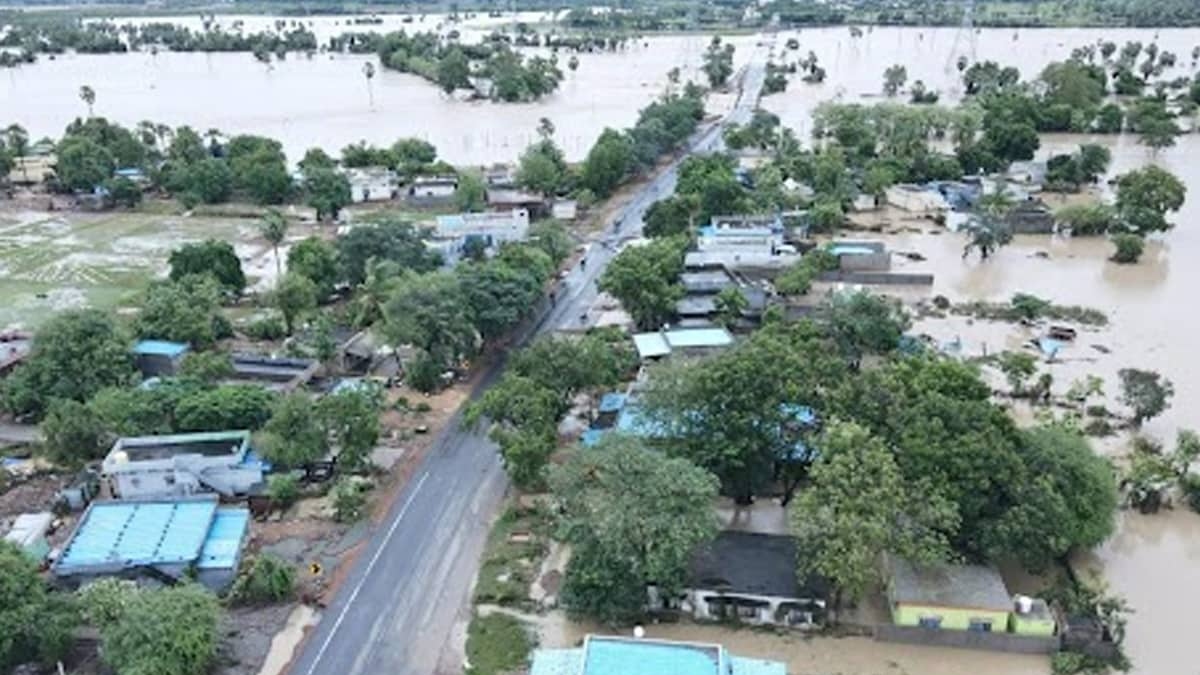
(1129, 248)
(266, 328)
(422, 407)
(424, 374)
(264, 579)
(496, 644)
(349, 501)
(1190, 485)
(283, 489)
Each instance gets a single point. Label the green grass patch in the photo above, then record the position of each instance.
(515, 549)
(497, 644)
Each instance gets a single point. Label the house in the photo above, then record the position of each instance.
(28, 533)
(1030, 216)
(861, 256)
(749, 234)
(916, 199)
(493, 227)
(802, 191)
(1032, 616)
(167, 540)
(132, 173)
(949, 597)
(32, 169)
(605, 655)
(564, 209)
(177, 465)
(365, 353)
(1031, 175)
(159, 357)
(961, 195)
(751, 577)
(504, 199)
(864, 202)
(274, 373)
(14, 349)
(433, 188)
(375, 183)
(500, 176)
(706, 282)
(693, 341)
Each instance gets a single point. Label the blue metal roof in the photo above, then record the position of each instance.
(618, 656)
(698, 337)
(126, 534)
(223, 545)
(160, 348)
(591, 437)
(612, 402)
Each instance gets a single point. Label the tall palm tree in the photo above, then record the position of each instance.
(88, 96)
(369, 73)
(988, 230)
(274, 227)
(17, 139)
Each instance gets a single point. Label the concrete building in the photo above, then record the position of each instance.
(693, 341)
(861, 256)
(433, 187)
(159, 357)
(162, 539)
(564, 209)
(274, 373)
(603, 655)
(916, 199)
(751, 577)
(949, 597)
(178, 465)
(453, 233)
(1031, 174)
(508, 198)
(372, 184)
(28, 533)
(746, 234)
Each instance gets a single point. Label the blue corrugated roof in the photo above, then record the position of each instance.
(224, 541)
(160, 347)
(138, 533)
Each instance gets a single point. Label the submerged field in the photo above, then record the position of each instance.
(51, 262)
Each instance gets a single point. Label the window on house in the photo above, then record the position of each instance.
(980, 626)
(930, 622)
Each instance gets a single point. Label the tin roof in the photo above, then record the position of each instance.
(944, 585)
(223, 545)
(160, 348)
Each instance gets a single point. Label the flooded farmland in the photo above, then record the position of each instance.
(1154, 561)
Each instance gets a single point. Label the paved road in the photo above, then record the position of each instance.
(404, 596)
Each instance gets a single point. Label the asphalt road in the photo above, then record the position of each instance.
(405, 595)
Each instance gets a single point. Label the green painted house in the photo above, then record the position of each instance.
(948, 597)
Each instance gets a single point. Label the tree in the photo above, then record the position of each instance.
(635, 514)
(385, 239)
(1073, 84)
(229, 406)
(1144, 196)
(1157, 133)
(75, 354)
(864, 323)
(208, 367)
(730, 304)
(859, 506)
(1145, 392)
(893, 79)
(34, 624)
(264, 579)
(169, 631)
(1067, 502)
(208, 180)
(429, 312)
(123, 192)
(607, 163)
(83, 164)
(273, 228)
(645, 279)
(1129, 248)
(213, 257)
(316, 260)
(16, 139)
(671, 216)
(541, 167)
(453, 71)
(499, 295)
(183, 311)
(293, 436)
(369, 73)
(471, 194)
(295, 296)
(72, 433)
(262, 174)
(718, 62)
(552, 238)
(316, 158)
(986, 234)
(327, 191)
(88, 96)
(350, 419)
(1017, 368)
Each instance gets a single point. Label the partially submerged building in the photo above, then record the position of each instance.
(604, 655)
(165, 540)
(155, 358)
(916, 199)
(751, 577)
(178, 465)
(861, 256)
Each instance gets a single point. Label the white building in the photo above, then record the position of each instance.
(371, 184)
(179, 465)
(916, 199)
(436, 187)
(742, 234)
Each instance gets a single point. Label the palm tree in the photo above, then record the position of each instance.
(88, 96)
(17, 140)
(988, 230)
(274, 227)
(369, 73)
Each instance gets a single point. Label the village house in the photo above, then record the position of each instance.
(433, 189)
(1030, 216)
(749, 234)
(513, 199)
(155, 358)
(178, 465)
(32, 169)
(453, 233)
(750, 577)
(656, 345)
(275, 373)
(916, 199)
(28, 533)
(165, 540)
(861, 256)
(372, 184)
(604, 655)
(1030, 175)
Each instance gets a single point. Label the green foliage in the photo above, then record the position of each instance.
(893, 79)
(1084, 220)
(316, 158)
(470, 195)
(269, 327)
(209, 180)
(34, 624)
(213, 257)
(499, 293)
(75, 354)
(293, 436)
(552, 238)
(170, 631)
(542, 167)
(230, 406)
(1147, 393)
(864, 323)
(1017, 368)
(385, 239)
(326, 191)
(497, 644)
(798, 279)
(859, 506)
(730, 304)
(718, 62)
(263, 579)
(123, 192)
(294, 297)
(72, 434)
(185, 311)
(430, 312)
(607, 163)
(283, 489)
(349, 500)
(83, 164)
(645, 279)
(129, 411)
(315, 259)
(1129, 248)
(1145, 196)
(635, 517)
(350, 418)
(208, 367)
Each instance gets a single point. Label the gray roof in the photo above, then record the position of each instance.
(754, 564)
(967, 586)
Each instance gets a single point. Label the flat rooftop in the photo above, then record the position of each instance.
(603, 655)
(150, 448)
(943, 585)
